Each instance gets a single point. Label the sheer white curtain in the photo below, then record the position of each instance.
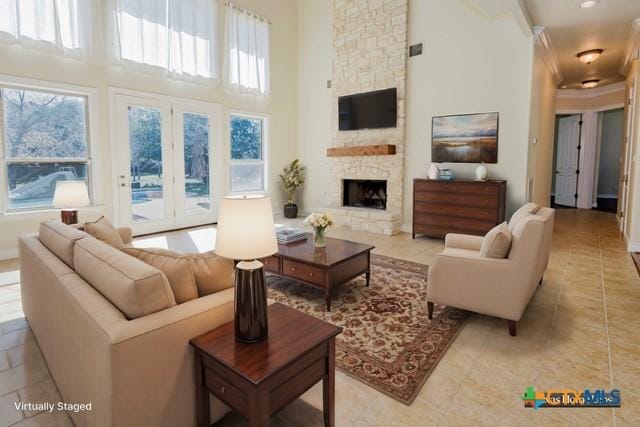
(62, 26)
(176, 37)
(246, 51)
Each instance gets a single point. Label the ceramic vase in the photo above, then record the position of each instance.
(434, 172)
(482, 173)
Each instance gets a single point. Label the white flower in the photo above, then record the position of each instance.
(318, 220)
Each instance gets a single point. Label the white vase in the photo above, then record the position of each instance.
(434, 172)
(482, 173)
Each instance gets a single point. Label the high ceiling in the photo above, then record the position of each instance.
(574, 30)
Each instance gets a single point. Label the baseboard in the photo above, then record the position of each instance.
(633, 247)
(8, 253)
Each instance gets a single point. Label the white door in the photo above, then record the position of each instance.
(627, 152)
(567, 160)
(169, 175)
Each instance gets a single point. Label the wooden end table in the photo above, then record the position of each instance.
(258, 380)
(324, 268)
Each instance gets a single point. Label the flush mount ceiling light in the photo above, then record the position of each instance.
(589, 56)
(588, 4)
(588, 84)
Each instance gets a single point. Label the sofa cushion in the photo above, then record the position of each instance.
(497, 242)
(134, 287)
(103, 230)
(527, 209)
(212, 273)
(176, 268)
(59, 238)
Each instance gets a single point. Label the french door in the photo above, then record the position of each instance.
(169, 171)
(627, 157)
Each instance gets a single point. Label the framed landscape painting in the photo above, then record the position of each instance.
(466, 138)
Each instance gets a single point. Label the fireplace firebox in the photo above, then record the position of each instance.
(364, 193)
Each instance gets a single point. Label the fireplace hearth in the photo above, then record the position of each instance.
(365, 193)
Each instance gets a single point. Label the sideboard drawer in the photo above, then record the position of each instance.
(456, 210)
(467, 187)
(457, 199)
(305, 272)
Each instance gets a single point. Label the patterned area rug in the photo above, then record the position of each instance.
(388, 342)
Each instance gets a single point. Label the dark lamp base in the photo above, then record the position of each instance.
(250, 302)
(69, 216)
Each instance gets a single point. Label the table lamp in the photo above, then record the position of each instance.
(69, 196)
(246, 233)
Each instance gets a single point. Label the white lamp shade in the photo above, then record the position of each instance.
(245, 228)
(71, 194)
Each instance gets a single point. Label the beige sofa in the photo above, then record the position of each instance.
(136, 370)
(461, 278)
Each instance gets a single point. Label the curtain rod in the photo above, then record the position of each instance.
(248, 12)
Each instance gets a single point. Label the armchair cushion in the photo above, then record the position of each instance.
(497, 242)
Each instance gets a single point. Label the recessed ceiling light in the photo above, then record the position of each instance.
(588, 84)
(588, 56)
(588, 4)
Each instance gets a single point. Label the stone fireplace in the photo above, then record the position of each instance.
(368, 54)
(364, 193)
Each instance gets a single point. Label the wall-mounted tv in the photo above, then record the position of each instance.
(370, 110)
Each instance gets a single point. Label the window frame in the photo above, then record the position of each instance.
(90, 97)
(265, 118)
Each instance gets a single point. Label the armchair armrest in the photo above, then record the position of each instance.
(125, 234)
(463, 241)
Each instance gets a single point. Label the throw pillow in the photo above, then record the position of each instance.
(102, 229)
(497, 242)
(212, 272)
(527, 209)
(176, 267)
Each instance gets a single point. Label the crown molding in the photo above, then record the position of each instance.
(493, 10)
(632, 50)
(592, 93)
(543, 43)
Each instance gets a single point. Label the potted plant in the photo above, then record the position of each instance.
(291, 178)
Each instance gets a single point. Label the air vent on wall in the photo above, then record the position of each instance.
(415, 50)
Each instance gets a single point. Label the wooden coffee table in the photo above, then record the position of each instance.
(323, 268)
(258, 380)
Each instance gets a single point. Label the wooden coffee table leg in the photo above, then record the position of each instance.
(327, 299)
(329, 387)
(367, 276)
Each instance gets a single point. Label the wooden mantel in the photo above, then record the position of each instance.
(362, 150)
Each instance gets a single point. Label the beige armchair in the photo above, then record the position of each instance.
(461, 278)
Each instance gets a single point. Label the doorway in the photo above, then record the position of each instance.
(169, 154)
(566, 160)
(608, 160)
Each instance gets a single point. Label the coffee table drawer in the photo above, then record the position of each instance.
(308, 273)
(272, 264)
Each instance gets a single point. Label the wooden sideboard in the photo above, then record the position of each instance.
(458, 206)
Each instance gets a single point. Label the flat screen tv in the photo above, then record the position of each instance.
(370, 110)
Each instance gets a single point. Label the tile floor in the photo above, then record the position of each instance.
(581, 329)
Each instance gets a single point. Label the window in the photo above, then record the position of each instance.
(246, 50)
(172, 36)
(62, 25)
(247, 154)
(45, 141)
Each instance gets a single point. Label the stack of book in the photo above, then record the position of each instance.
(286, 235)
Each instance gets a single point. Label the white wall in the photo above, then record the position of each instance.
(315, 113)
(542, 130)
(470, 64)
(280, 105)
